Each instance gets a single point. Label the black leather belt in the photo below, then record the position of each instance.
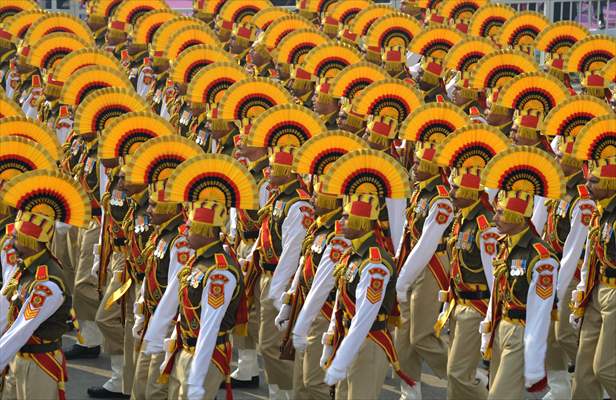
(609, 272)
(97, 212)
(516, 314)
(478, 295)
(119, 241)
(250, 234)
(40, 348)
(268, 267)
(192, 341)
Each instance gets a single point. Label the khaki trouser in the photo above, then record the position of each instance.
(464, 355)
(178, 380)
(250, 341)
(595, 365)
(308, 376)
(566, 336)
(32, 382)
(65, 246)
(110, 321)
(9, 388)
(415, 338)
(147, 371)
(277, 372)
(130, 355)
(507, 365)
(85, 294)
(367, 372)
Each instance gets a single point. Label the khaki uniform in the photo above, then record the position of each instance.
(109, 320)
(595, 365)
(85, 294)
(506, 382)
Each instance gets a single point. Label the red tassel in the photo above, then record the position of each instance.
(229, 389)
(407, 379)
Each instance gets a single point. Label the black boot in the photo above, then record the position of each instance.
(99, 392)
(77, 352)
(253, 383)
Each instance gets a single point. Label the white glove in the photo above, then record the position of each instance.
(300, 342)
(195, 392)
(326, 355)
(402, 296)
(485, 340)
(575, 322)
(138, 326)
(333, 376)
(282, 319)
(96, 262)
(150, 348)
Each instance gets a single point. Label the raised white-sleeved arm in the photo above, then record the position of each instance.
(396, 209)
(438, 219)
(540, 299)
(45, 300)
(212, 312)
(574, 244)
(322, 285)
(8, 269)
(488, 245)
(367, 305)
(293, 234)
(540, 214)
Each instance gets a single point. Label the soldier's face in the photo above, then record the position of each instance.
(459, 202)
(596, 191)
(349, 232)
(504, 227)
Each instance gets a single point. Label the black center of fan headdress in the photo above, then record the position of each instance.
(438, 44)
(500, 72)
(165, 162)
(534, 95)
(367, 26)
(348, 15)
(595, 56)
(522, 31)
(571, 123)
(243, 13)
(469, 60)
(356, 86)
(395, 33)
(151, 31)
(9, 11)
(15, 162)
(325, 4)
(605, 141)
(298, 52)
(99, 122)
(526, 173)
(390, 102)
(54, 55)
(288, 128)
(435, 127)
(131, 138)
(45, 198)
(58, 29)
(89, 88)
(490, 24)
(333, 63)
(214, 88)
(256, 100)
(189, 43)
(325, 159)
(195, 67)
(367, 177)
(463, 8)
(209, 181)
(472, 151)
(563, 41)
(136, 13)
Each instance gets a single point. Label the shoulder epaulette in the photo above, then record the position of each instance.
(221, 260)
(10, 229)
(583, 192)
(541, 250)
(42, 273)
(303, 195)
(338, 228)
(375, 255)
(482, 222)
(442, 191)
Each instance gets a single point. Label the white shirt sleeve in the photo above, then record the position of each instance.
(540, 299)
(293, 234)
(488, 242)
(396, 209)
(211, 319)
(322, 285)
(8, 270)
(581, 286)
(51, 297)
(438, 219)
(574, 244)
(161, 321)
(366, 311)
(540, 214)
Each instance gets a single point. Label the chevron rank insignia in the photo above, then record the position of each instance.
(216, 295)
(37, 300)
(545, 286)
(375, 290)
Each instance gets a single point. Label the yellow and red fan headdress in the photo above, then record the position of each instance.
(473, 145)
(146, 26)
(250, 97)
(163, 35)
(99, 11)
(34, 131)
(558, 37)
(464, 55)
(571, 115)
(522, 29)
(156, 159)
(209, 84)
(284, 125)
(49, 193)
(538, 91)
(49, 50)
(293, 48)
(367, 171)
(590, 54)
(8, 108)
(125, 134)
(191, 60)
(90, 79)
(130, 11)
(494, 69)
(489, 18)
(206, 10)
(435, 41)
(362, 21)
(608, 72)
(353, 79)
(17, 25)
(433, 122)
(279, 28)
(89, 56)
(236, 12)
(316, 156)
(455, 11)
(312, 8)
(98, 109)
(597, 139)
(390, 30)
(390, 97)
(188, 36)
(213, 177)
(19, 155)
(342, 13)
(8, 8)
(58, 22)
(328, 59)
(266, 16)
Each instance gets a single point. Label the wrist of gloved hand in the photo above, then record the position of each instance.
(300, 342)
(334, 375)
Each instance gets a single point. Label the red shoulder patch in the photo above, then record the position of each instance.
(442, 191)
(375, 255)
(482, 222)
(10, 229)
(338, 228)
(42, 273)
(304, 195)
(541, 250)
(221, 260)
(583, 192)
